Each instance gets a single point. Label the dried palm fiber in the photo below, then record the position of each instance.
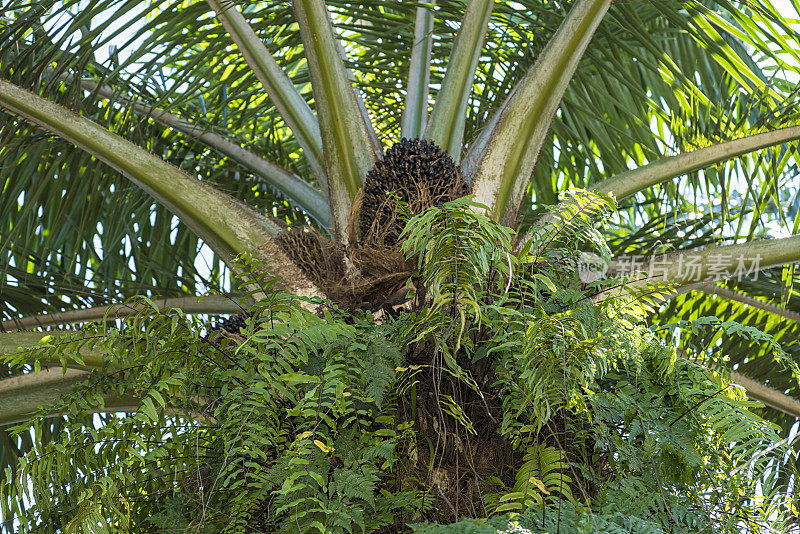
(321, 259)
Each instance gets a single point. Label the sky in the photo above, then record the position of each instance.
(785, 8)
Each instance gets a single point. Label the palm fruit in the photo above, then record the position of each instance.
(233, 323)
(420, 173)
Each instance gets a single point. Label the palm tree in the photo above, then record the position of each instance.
(212, 128)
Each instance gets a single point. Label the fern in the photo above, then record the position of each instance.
(541, 477)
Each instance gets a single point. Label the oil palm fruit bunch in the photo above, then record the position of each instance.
(420, 174)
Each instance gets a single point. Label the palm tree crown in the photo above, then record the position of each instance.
(212, 131)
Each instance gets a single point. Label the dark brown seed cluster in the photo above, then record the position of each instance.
(233, 323)
(420, 173)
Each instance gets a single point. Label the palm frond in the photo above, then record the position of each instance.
(415, 108)
(517, 137)
(289, 103)
(300, 192)
(446, 125)
(211, 304)
(745, 356)
(350, 149)
(200, 207)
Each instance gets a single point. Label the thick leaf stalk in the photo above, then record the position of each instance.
(518, 135)
(415, 111)
(446, 126)
(229, 227)
(631, 182)
(763, 305)
(300, 192)
(635, 180)
(688, 267)
(213, 304)
(20, 396)
(226, 225)
(350, 148)
(20, 348)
